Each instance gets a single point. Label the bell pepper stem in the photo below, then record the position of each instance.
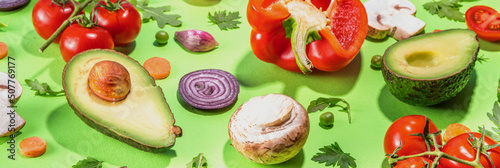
(300, 35)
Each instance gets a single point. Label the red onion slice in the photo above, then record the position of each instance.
(209, 89)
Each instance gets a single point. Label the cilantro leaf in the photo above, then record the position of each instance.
(334, 156)
(42, 89)
(321, 103)
(446, 8)
(157, 13)
(225, 20)
(198, 162)
(88, 163)
(498, 91)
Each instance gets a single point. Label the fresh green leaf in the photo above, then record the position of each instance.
(225, 20)
(88, 163)
(495, 118)
(198, 162)
(42, 89)
(498, 91)
(4, 25)
(333, 155)
(157, 13)
(446, 8)
(482, 59)
(321, 103)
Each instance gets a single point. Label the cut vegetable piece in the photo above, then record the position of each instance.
(32, 147)
(10, 121)
(209, 89)
(143, 119)
(454, 130)
(269, 129)
(430, 68)
(157, 67)
(392, 17)
(8, 5)
(10, 89)
(4, 50)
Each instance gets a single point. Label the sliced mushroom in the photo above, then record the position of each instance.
(10, 91)
(269, 129)
(395, 18)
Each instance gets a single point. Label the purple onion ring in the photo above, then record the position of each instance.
(209, 89)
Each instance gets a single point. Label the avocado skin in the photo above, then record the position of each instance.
(107, 131)
(427, 92)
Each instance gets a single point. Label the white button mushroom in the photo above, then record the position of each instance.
(392, 17)
(269, 129)
(10, 91)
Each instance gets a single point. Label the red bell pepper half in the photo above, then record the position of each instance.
(299, 35)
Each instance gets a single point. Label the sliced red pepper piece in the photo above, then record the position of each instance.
(323, 34)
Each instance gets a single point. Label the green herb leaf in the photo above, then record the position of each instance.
(334, 156)
(446, 8)
(495, 118)
(498, 91)
(42, 89)
(482, 59)
(88, 163)
(321, 103)
(157, 13)
(225, 20)
(198, 162)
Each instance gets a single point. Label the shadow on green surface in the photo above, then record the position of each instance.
(31, 42)
(234, 159)
(442, 114)
(190, 108)
(72, 133)
(489, 46)
(252, 72)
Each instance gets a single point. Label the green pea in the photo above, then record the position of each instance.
(162, 37)
(377, 61)
(326, 119)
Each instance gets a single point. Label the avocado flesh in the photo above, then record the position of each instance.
(143, 119)
(432, 56)
(430, 68)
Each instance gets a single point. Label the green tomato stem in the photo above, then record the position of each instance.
(65, 24)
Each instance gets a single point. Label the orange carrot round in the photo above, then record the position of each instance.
(32, 147)
(4, 50)
(454, 130)
(158, 68)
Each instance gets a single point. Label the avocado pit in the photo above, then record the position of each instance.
(110, 81)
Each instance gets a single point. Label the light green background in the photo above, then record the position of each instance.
(373, 107)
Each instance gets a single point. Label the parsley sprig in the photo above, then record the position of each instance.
(88, 163)
(43, 89)
(333, 155)
(198, 162)
(225, 20)
(446, 8)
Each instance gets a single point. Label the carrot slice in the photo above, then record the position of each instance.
(32, 147)
(454, 130)
(4, 50)
(158, 68)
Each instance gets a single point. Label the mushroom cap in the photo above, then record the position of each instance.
(393, 17)
(9, 86)
(269, 129)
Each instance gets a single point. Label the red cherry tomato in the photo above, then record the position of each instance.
(485, 21)
(123, 23)
(461, 148)
(399, 134)
(414, 162)
(76, 39)
(47, 16)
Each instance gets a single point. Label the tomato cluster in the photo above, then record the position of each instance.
(115, 23)
(405, 137)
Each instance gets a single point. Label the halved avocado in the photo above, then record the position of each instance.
(428, 69)
(142, 119)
